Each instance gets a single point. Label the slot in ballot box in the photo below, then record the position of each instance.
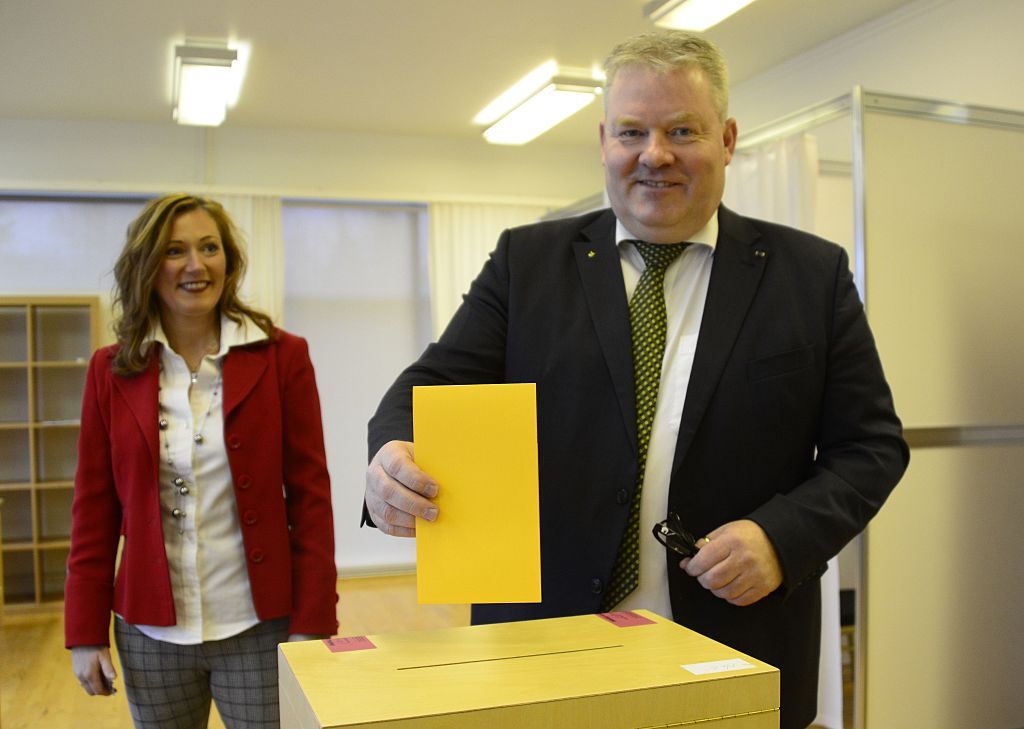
(620, 670)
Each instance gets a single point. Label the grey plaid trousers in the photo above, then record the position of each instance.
(169, 686)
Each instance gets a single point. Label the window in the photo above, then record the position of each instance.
(356, 289)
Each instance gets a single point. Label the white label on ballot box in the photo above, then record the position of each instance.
(733, 664)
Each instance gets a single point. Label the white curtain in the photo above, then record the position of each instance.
(461, 236)
(777, 181)
(258, 218)
(830, 663)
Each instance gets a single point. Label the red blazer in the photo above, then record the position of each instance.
(274, 438)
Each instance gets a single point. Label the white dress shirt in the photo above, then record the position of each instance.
(686, 288)
(205, 553)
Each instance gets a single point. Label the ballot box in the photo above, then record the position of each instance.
(625, 670)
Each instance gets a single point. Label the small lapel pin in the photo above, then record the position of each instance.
(759, 253)
(590, 254)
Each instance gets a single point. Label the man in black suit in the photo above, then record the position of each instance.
(774, 435)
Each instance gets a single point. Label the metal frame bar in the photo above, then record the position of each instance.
(969, 435)
(944, 111)
(799, 121)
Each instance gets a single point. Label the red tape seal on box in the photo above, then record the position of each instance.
(626, 619)
(355, 643)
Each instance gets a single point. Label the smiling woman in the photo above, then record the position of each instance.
(228, 544)
(182, 266)
(191, 278)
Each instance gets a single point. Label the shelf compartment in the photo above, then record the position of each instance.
(63, 333)
(54, 506)
(13, 394)
(17, 517)
(13, 334)
(53, 570)
(19, 575)
(59, 393)
(45, 346)
(57, 452)
(15, 466)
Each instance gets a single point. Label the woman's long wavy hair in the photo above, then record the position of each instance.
(136, 304)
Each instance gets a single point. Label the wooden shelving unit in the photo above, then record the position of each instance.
(45, 345)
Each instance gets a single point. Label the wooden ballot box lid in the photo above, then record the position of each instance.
(631, 669)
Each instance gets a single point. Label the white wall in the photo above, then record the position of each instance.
(958, 50)
(47, 155)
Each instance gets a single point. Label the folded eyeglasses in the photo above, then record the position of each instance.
(671, 534)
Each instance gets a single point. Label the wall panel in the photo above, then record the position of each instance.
(943, 235)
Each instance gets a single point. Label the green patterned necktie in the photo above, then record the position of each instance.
(648, 321)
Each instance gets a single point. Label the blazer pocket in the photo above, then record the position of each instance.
(781, 363)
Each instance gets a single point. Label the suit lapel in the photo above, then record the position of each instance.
(740, 258)
(597, 259)
(243, 367)
(140, 393)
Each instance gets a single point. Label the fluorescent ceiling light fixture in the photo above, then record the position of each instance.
(203, 83)
(692, 14)
(537, 102)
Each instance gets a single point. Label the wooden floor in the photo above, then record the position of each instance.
(38, 690)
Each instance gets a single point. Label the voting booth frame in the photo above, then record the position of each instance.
(935, 198)
(609, 671)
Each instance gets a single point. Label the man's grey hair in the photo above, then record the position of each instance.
(668, 50)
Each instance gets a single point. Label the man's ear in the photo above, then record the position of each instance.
(729, 133)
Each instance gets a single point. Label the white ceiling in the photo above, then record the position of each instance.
(409, 67)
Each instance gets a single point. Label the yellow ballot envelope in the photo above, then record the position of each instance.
(479, 442)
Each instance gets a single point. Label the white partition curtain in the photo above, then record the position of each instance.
(259, 220)
(461, 236)
(777, 181)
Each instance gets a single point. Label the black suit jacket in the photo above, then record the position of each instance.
(788, 420)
